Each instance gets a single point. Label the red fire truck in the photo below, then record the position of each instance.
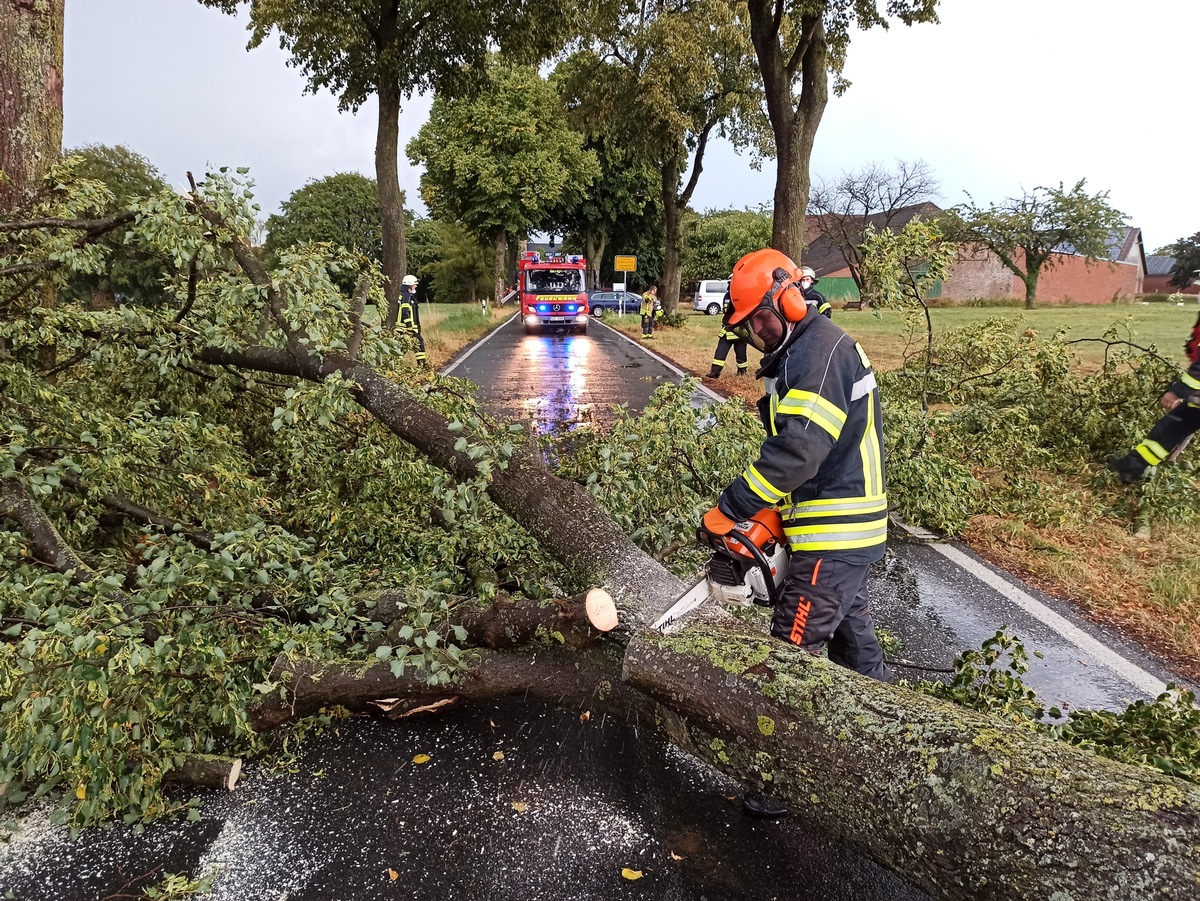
(553, 292)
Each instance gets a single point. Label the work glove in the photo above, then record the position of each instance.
(717, 523)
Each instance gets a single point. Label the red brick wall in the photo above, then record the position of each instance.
(977, 274)
(981, 274)
(1161, 284)
(1074, 279)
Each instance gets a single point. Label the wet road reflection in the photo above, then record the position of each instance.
(559, 381)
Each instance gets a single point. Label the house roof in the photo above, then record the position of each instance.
(1158, 265)
(1124, 245)
(823, 255)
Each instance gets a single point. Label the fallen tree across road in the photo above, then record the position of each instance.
(958, 803)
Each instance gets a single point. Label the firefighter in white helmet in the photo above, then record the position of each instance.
(410, 315)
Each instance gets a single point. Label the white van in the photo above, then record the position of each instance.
(710, 296)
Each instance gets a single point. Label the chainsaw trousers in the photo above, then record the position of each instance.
(824, 607)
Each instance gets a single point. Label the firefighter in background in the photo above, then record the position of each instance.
(649, 306)
(728, 339)
(1174, 428)
(808, 282)
(410, 316)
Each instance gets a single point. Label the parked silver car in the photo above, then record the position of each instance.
(710, 296)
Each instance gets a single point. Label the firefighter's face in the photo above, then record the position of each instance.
(765, 327)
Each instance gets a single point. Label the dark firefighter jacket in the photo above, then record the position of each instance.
(727, 333)
(409, 321)
(822, 461)
(816, 299)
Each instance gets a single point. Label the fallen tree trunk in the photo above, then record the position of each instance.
(561, 676)
(958, 803)
(961, 804)
(207, 771)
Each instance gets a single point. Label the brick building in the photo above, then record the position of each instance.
(978, 273)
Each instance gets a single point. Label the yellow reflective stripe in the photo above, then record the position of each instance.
(818, 409)
(835, 536)
(1189, 381)
(761, 486)
(872, 454)
(862, 355)
(1152, 452)
(827, 507)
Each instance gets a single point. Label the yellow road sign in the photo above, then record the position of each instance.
(625, 264)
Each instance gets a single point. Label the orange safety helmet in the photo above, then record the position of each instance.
(768, 275)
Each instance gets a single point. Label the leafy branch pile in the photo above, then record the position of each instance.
(1163, 734)
(168, 527)
(1015, 429)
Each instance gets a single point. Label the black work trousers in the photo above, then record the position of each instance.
(824, 607)
(723, 346)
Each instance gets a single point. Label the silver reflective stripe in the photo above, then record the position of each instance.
(863, 386)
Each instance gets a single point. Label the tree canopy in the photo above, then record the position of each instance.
(501, 158)
(799, 44)
(391, 49)
(1187, 260)
(713, 242)
(662, 80)
(1030, 233)
(341, 209)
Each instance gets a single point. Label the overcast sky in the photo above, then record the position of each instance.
(998, 98)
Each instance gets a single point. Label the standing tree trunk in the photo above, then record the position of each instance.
(391, 198)
(31, 103)
(794, 126)
(673, 229)
(501, 264)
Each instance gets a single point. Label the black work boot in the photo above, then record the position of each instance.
(762, 806)
(742, 370)
(713, 374)
(1128, 468)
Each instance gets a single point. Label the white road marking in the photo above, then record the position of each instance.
(1095, 649)
(478, 344)
(700, 386)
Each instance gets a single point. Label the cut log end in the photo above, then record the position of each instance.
(207, 771)
(601, 611)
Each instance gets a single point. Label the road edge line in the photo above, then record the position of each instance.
(1128, 670)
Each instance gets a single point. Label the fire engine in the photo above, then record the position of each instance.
(553, 292)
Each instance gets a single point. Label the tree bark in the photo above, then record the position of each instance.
(391, 198)
(793, 122)
(501, 264)
(207, 771)
(960, 804)
(31, 108)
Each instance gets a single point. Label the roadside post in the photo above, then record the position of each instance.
(623, 264)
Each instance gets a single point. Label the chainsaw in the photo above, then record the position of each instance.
(747, 567)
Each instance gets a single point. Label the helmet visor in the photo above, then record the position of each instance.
(764, 328)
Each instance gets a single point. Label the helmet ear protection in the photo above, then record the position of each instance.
(788, 296)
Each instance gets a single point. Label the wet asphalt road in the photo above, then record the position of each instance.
(559, 380)
(572, 801)
(569, 806)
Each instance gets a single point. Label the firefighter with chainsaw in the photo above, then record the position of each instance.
(821, 464)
